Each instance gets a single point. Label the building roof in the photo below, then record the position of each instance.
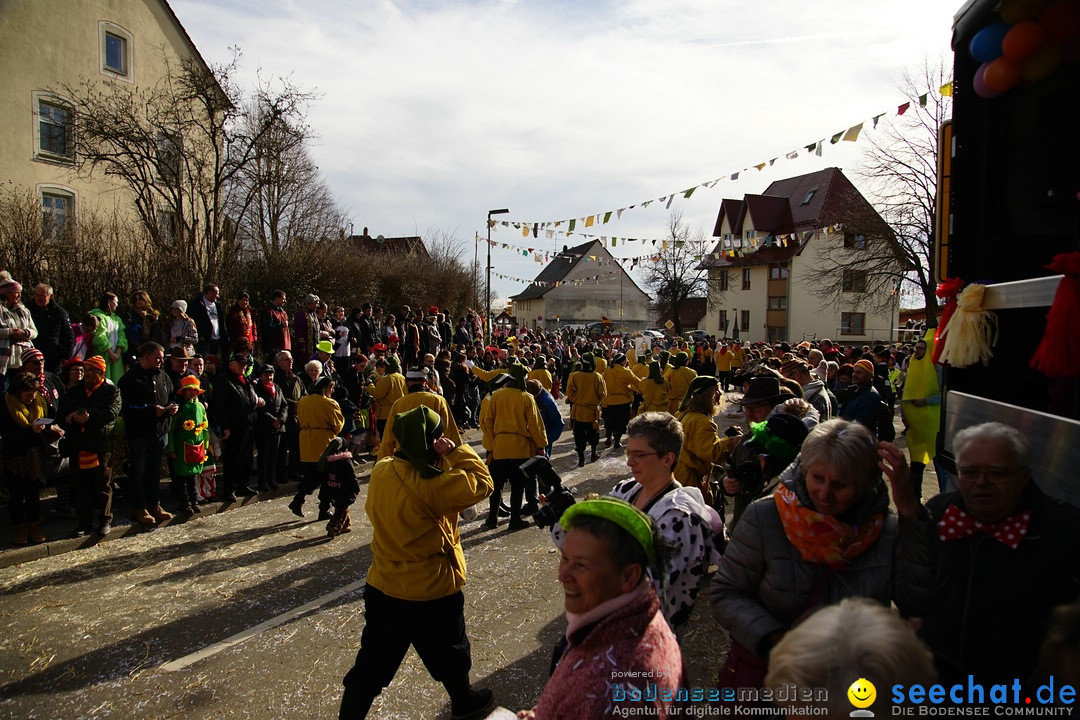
(795, 206)
(561, 265)
(691, 312)
(194, 50)
(395, 245)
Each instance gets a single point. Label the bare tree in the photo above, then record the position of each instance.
(676, 273)
(179, 147)
(899, 174)
(280, 197)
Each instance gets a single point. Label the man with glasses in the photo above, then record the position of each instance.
(999, 554)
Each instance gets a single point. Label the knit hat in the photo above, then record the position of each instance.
(335, 446)
(637, 525)
(415, 431)
(181, 304)
(31, 353)
(865, 365)
(95, 361)
(392, 364)
(416, 374)
(8, 284)
(792, 365)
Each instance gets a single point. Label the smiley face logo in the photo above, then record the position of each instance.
(862, 693)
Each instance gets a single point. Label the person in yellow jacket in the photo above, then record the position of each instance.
(920, 407)
(585, 390)
(654, 390)
(413, 594)
(386, 391)
(640, 368)
(320, 420)
(723, 357)
(517, 433)
(622, 385)
(738, 358)
(540, 373)
(703, 446)
(680, 377)
(419, 393)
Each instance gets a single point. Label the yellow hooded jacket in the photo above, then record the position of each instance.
(414, 400)
(681, 377)
(415, 544)
(386, 391)
(621, 385)
(586, 390)
(703, 447)
(514, 424)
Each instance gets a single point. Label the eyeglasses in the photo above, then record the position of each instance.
(636, 456)
(993, 474)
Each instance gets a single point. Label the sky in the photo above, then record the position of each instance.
(430, 113)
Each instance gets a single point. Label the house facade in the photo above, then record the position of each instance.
(765, 270)
(46, 46)
(582, 284)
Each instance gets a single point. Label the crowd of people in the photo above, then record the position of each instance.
(803, 519)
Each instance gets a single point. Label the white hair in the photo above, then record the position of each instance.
(994, 431)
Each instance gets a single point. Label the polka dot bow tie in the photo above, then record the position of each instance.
(956, 524)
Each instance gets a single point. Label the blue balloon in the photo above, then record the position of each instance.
(986, 45)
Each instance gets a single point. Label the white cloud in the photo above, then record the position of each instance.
(431, 113)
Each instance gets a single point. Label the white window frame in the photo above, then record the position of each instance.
(39, 152)
(44, 191)
(105, 29)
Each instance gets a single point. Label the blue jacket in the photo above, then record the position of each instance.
(864, 407)
(549, 411)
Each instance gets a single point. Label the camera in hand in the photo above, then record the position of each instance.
(558, 497)
(749, 474)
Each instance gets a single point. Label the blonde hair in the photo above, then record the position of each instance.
(840, 644)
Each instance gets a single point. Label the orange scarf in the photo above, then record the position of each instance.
(822, 538)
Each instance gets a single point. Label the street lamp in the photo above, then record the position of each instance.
(487, 302)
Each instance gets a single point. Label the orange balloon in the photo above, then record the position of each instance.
(1022, 41)
(1042, 63)
(1001, 74)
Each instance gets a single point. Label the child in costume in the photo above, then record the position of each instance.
(189, 439)
(341, 484)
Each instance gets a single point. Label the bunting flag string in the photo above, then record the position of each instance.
(589, 280)
(851, 134)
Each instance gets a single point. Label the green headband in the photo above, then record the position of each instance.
(620, 512)
(773, 443)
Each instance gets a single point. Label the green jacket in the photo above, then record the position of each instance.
(188, 428)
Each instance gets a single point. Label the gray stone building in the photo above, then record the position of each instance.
(582, 284)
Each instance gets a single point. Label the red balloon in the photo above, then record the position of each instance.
(1022, 41)
(1001, 74)
(1060, 21)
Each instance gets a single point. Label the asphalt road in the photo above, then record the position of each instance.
(254, 613)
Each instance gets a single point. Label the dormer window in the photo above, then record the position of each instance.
(809, 196)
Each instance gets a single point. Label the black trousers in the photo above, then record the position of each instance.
(618, 417)
(585, 434)
(268, 445)
(503, 471)
(237, 453)
(436, 628)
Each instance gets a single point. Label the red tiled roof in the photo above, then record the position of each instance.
(798, 205)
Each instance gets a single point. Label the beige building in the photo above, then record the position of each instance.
(47, 45)
(582, 284)
(765, 270)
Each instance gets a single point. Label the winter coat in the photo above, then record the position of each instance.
(633, 640)
(864, 408)
(320, 421)
(16, 317)
(763, 584)
(416, 546)
(513, 424)
(56, 339)
(94, 435)
(680, 380)
(654, 395)
(274, 330)
(141, 390)
(234, 403)
(292, 389)
(275, 408)
(197, 312)
(702, 448)
(110, 335)
(990, 605)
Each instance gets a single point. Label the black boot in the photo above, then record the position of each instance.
(192, 498)
(581, 459)
(594, 455)
(297, 505)
(467, 703)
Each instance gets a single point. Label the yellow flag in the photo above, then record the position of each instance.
(524, 231)
(946, 89)
(852, 133)
(589, 221)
